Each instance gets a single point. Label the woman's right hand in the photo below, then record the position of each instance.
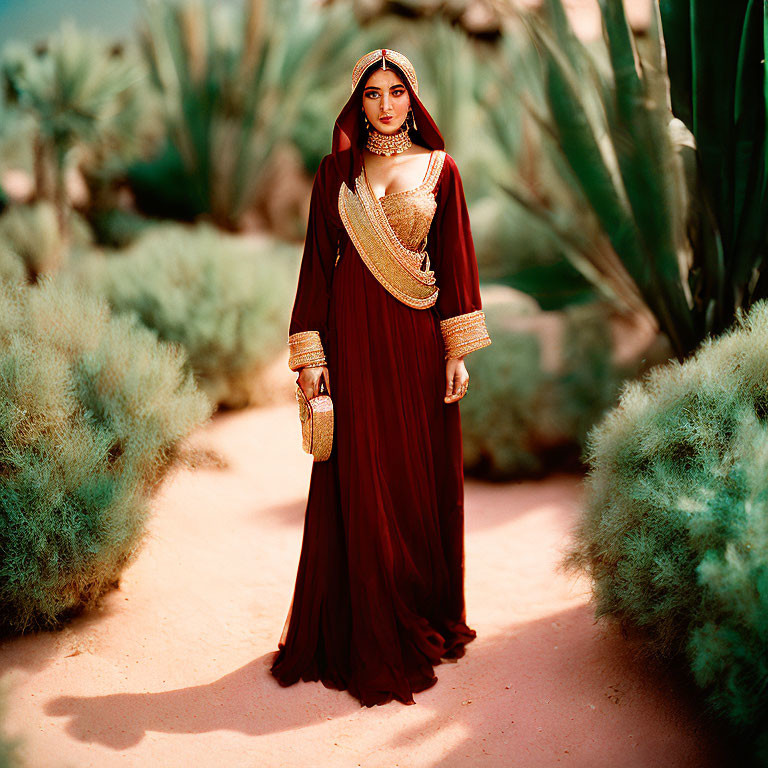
(309, 380)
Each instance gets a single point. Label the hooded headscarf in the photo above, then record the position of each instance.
(349, 124)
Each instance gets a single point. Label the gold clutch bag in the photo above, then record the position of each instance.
(316, 417)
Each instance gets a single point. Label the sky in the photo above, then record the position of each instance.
(35, 19)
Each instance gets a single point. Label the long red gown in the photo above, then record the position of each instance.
(379, 593)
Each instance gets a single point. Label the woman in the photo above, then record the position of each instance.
(386, 308)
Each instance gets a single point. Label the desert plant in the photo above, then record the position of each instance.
(225, 299)
(508, 394)
(16, 138)
(233, 87)
(9, 747)
(82, 94)
(675, 532)
(543, 225)
(718, 89)
(12, 267)
(92, 412)
(32, 232)
(516, 249)
(631, 163)
(522, 418)
(114, 227)
(608, 136)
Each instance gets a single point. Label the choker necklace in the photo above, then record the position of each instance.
(388, 144)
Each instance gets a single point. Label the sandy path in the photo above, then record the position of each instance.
(172, 670)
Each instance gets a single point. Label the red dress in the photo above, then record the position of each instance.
(379, 594)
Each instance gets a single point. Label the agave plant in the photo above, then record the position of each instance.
(718, 89)
(632, 233)
(546, 217)
(641, 173)
(233, 87)
(80, 93)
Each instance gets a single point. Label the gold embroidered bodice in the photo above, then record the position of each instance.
(410, 215)
(410, 212)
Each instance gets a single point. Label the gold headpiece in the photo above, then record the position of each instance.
(386, 54)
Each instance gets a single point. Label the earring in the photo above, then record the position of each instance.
(413, 118)
(367, 124)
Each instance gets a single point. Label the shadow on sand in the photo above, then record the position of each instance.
(559, 688)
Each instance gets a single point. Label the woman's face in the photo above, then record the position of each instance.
(385, 101)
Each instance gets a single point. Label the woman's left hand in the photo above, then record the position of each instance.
(456, 379)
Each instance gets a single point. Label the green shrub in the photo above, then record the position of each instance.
(589, 380)
(32, 233)
(9, 755)
(117, 228)
(92, 410)
(521, 419)
(225, 299)
(498, 415)
(12, 267)
(675, 533)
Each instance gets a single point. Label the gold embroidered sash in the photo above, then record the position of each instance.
(397, 268)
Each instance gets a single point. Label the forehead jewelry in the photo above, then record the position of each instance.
(385, 55)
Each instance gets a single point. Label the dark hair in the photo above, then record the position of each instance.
(362, 133)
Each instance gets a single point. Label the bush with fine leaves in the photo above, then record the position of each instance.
(521, 419)
(12, 268)
(92, 412)
(496, 416)
(675, 534)
(225, 299)
(9, 747)
(32, 233)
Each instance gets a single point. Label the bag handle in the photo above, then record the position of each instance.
(323, 384)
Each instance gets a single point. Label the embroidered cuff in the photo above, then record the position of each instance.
(306, 349)
(465, 333)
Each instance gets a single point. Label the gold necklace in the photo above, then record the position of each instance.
(388, 144)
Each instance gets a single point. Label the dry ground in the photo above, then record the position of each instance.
(172, 670)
